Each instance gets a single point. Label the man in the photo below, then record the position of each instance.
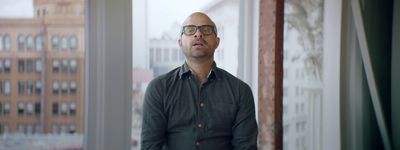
(197, 105)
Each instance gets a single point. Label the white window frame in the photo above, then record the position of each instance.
(108, 87)
(330, 125)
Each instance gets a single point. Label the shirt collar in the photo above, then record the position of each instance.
(185, 70)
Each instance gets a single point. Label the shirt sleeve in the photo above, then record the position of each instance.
(245, 128)
(153, 136)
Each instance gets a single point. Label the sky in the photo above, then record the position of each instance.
(16, 8)
(163, 13)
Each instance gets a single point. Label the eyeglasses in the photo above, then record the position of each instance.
(204, 29)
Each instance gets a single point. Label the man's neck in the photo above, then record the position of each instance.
(200, 69)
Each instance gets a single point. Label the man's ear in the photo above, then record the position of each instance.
(180, 42)
(217, 41)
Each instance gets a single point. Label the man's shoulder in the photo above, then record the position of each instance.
(231, 78)
(166, 76)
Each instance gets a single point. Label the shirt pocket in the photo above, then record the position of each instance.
(222, 116)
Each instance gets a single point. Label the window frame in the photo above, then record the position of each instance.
(108, 21)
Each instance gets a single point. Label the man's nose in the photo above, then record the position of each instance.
(198, 34)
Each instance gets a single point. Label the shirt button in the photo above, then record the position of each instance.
(199, 125)
(197, 143)
(201, 104)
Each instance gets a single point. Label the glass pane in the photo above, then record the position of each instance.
(36, 105)
(302, 80)
(159, 51)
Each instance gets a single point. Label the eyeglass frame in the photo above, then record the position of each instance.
(214, 29)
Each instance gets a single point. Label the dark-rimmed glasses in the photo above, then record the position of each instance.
(204, 29)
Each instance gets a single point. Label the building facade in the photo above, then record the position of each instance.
(42, 70)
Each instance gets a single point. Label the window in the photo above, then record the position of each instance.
(73, 87)
(54, 128)
(38, 87)
(38, 129)
(30, 65)
(64, 43)
(1, 65)
(55, 108)
(1, 43)
(63, 129)
(21, 87)
(29, 129)
(7, 42)
(73, 41)
(56, 65)
(1, 88)
(37, 108)
(21, 128)
(29, 42)
(166, 55)
(21, 42)
(64, 87)
(29, 87)
(7, 89)
(7, 108)
(21, 107)
(64, 108)
(39, 65)
(64, 67)
(55, 42)
(72, 128)
(21, 65)
(6, 129)
(73, 65)
(39, 43)
(29, 108)
(7, 65)
(72, 109)
(55, 87)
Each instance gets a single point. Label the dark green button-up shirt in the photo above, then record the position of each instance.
(179, 113)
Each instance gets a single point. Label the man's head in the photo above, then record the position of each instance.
(198, 38)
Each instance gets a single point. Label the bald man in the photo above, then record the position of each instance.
(198, 106)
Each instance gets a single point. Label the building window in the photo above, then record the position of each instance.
(39, 43)
(7, 87)
(29, 87)
(1, 65)
(1, 88)
(72, 87)
(166, 55)
(72, 128)
(64, 87)
(39, 65)
(55, 87)
(38, 87)
(29, 42)
(37, 108)
(55, 43)
(29, 65)
(55, 108)
(64, 43)
(64, 109)
(21, 87)
(72, 109)
(21, 107)
(6, 129)
(20, 128)
(7, 107)
(64, 67)
(29, 129)
(56, 65)
(21, 65)
(1, 43)
(63, 129)
(7, 65)
(38, 129)
(7, 43)
(21, 42)
(158, 55)
(54, 128)
(29, 108)
(73, 41)
(74, 65)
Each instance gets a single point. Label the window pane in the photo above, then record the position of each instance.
(302, 81)
(34, 73)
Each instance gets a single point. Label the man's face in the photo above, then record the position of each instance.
(196, 41)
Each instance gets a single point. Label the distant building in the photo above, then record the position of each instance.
(42, 70)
